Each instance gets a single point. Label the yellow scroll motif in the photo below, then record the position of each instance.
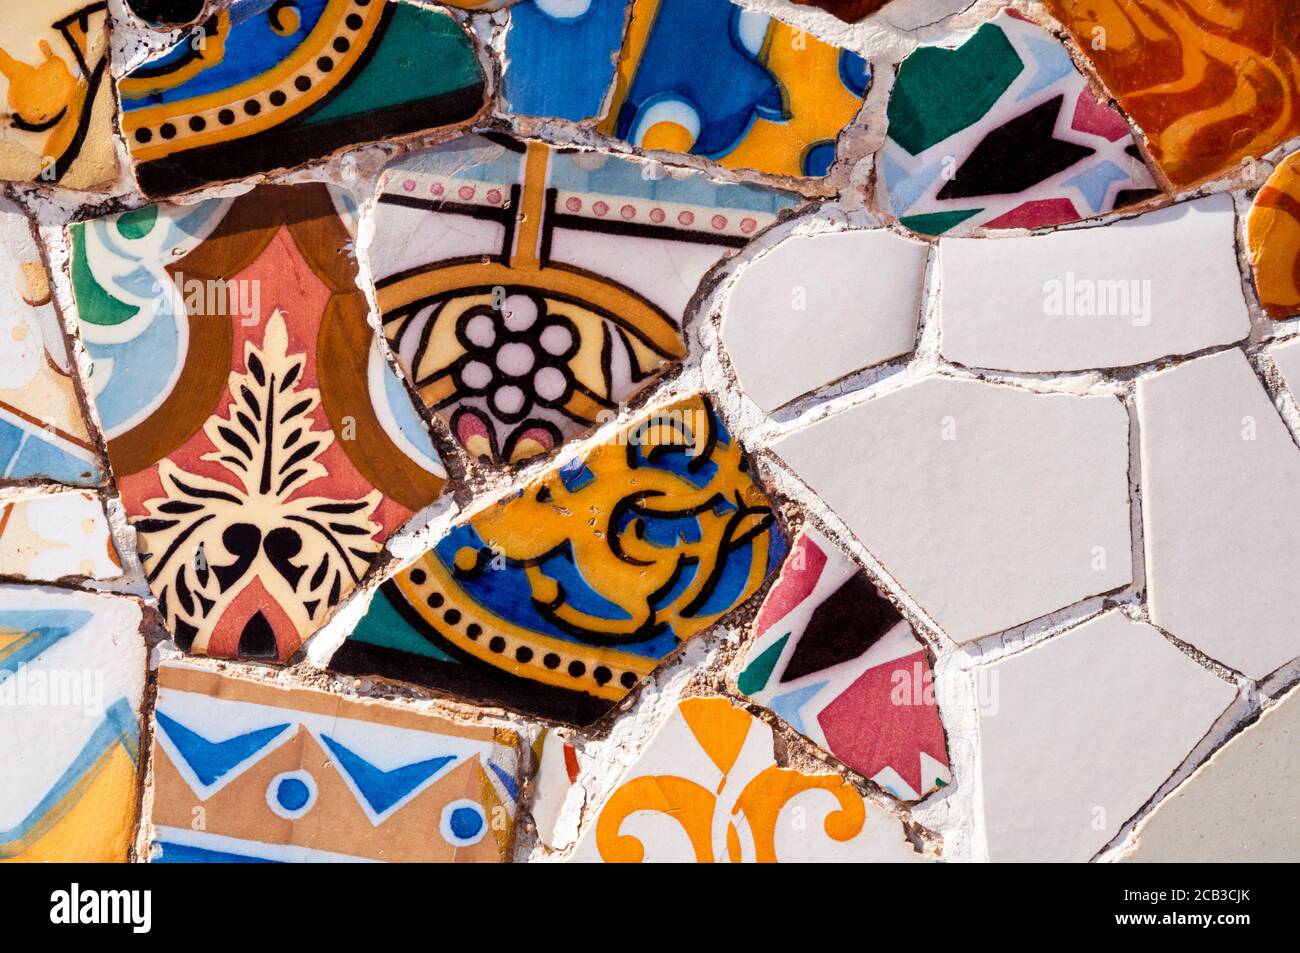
(764, 797)
(632, 569)
(686, 802)
(721, 730)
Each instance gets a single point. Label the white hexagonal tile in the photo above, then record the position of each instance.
(990, 505)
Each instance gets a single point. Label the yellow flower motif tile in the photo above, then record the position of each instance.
(708, 789)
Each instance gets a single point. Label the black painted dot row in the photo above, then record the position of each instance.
(277, 98)
(601, 675)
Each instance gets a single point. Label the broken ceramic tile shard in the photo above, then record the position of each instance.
(975, 501)
(834, 658)
(554, 784)
(559, 57)
(263, 446)
(43, 433)
(72, 674)
(57, 128)
(707, 789)
(1273, 233)
(1132, 292)
(817, 307)
(1211, 438)
(290, 774)
(167, 14)
(710, 78)
(57, 536)
(264, 86)
(1078, 732)
(1003, 132)
(529, 291)
(1209, 85)
(558, 600)
(1241, 805)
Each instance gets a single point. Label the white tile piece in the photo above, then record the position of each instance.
(1221, 509)
(1131, 292)
(1287, 358)
(43, 435)
(817, 307)
(72, 679)
(1241, 805)
(54, 536)
(990, 505)
(554, 783)
(1079, 731)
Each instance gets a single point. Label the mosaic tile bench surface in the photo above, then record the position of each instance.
(649, 430)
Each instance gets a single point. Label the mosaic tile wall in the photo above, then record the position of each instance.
(622, 430)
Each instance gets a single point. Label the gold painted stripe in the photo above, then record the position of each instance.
(528, 236)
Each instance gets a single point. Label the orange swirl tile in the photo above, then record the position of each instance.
(1210, 82)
